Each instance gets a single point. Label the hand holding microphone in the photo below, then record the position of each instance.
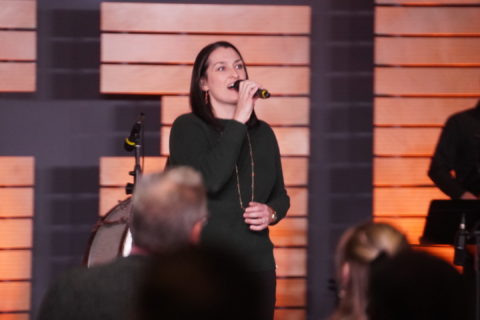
(261, 93)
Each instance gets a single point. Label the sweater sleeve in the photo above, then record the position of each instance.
(191, 145)
(279, 199)
(443, 161)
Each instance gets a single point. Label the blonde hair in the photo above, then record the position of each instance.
(358, 247)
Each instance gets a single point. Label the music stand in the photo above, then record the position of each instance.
(444, 217)
(442, 226)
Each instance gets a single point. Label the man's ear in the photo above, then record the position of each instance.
(345, 273)
(203, 84)
(196, 232)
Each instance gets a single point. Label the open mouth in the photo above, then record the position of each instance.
(234, 85)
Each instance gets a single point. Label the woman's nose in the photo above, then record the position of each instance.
(236, 73)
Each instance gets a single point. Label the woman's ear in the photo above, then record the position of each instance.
(203, 84)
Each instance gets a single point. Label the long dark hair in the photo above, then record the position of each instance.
(203, 109)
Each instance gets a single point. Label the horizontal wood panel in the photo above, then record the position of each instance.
(427, 81)
(289, 314)
(275, 111)
(15, 233)
(291, 262)
(290, 232)
(291, 141)
(175, 79)
(17, 171)
(197, 18)
(183, 48)
(298, 201)
(15, 264)
(405, 141)
(411, 227)
(291, 292)
(14, 316)
(418, 111)
(110, 197)
(18, 14)
(114, 170)
(16, 202)
(398, 51)
(17, 77)
(18, 45)
(404, 201)
(295, 171)
(427, 20)
(15, 296)
(141, 79)
(401, 171)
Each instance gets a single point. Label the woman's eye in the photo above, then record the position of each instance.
(239, 66)
(221, 68)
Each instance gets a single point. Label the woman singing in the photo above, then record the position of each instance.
(239, 159)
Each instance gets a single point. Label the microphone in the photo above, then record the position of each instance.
(460, 242)
(261, 93)
(134, 136)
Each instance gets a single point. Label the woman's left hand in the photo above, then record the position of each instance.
(258, 215)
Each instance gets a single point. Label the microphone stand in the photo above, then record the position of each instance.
(137, 170)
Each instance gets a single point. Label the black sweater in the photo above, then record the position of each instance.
(197, 144)
(458, 150)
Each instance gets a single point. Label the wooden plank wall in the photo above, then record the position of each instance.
(427, 67)
(18, 53)
(16, 214)
(150, 49)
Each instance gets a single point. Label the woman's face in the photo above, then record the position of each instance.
(224, 67)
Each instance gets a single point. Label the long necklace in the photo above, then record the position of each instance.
(252, 164)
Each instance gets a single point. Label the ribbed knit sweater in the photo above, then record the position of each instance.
(195, 143)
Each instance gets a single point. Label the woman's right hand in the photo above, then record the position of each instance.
(246, 100)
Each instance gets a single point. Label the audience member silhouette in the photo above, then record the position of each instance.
(358, 247)
(196, 283)
(415, 285)
(169, 210)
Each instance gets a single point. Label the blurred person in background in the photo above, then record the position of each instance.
(416, 286)
(168, 213)
(358, 248)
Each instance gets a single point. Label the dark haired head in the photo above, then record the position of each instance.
(415, 285)
(199, 106)
(198, 283)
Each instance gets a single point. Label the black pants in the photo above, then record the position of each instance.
(267, 284)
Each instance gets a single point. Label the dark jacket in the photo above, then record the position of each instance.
(106, 292)
(455, 165)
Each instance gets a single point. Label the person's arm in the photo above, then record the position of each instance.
(190, 145)
(260, 215)
(443, 162)
(279, 200)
